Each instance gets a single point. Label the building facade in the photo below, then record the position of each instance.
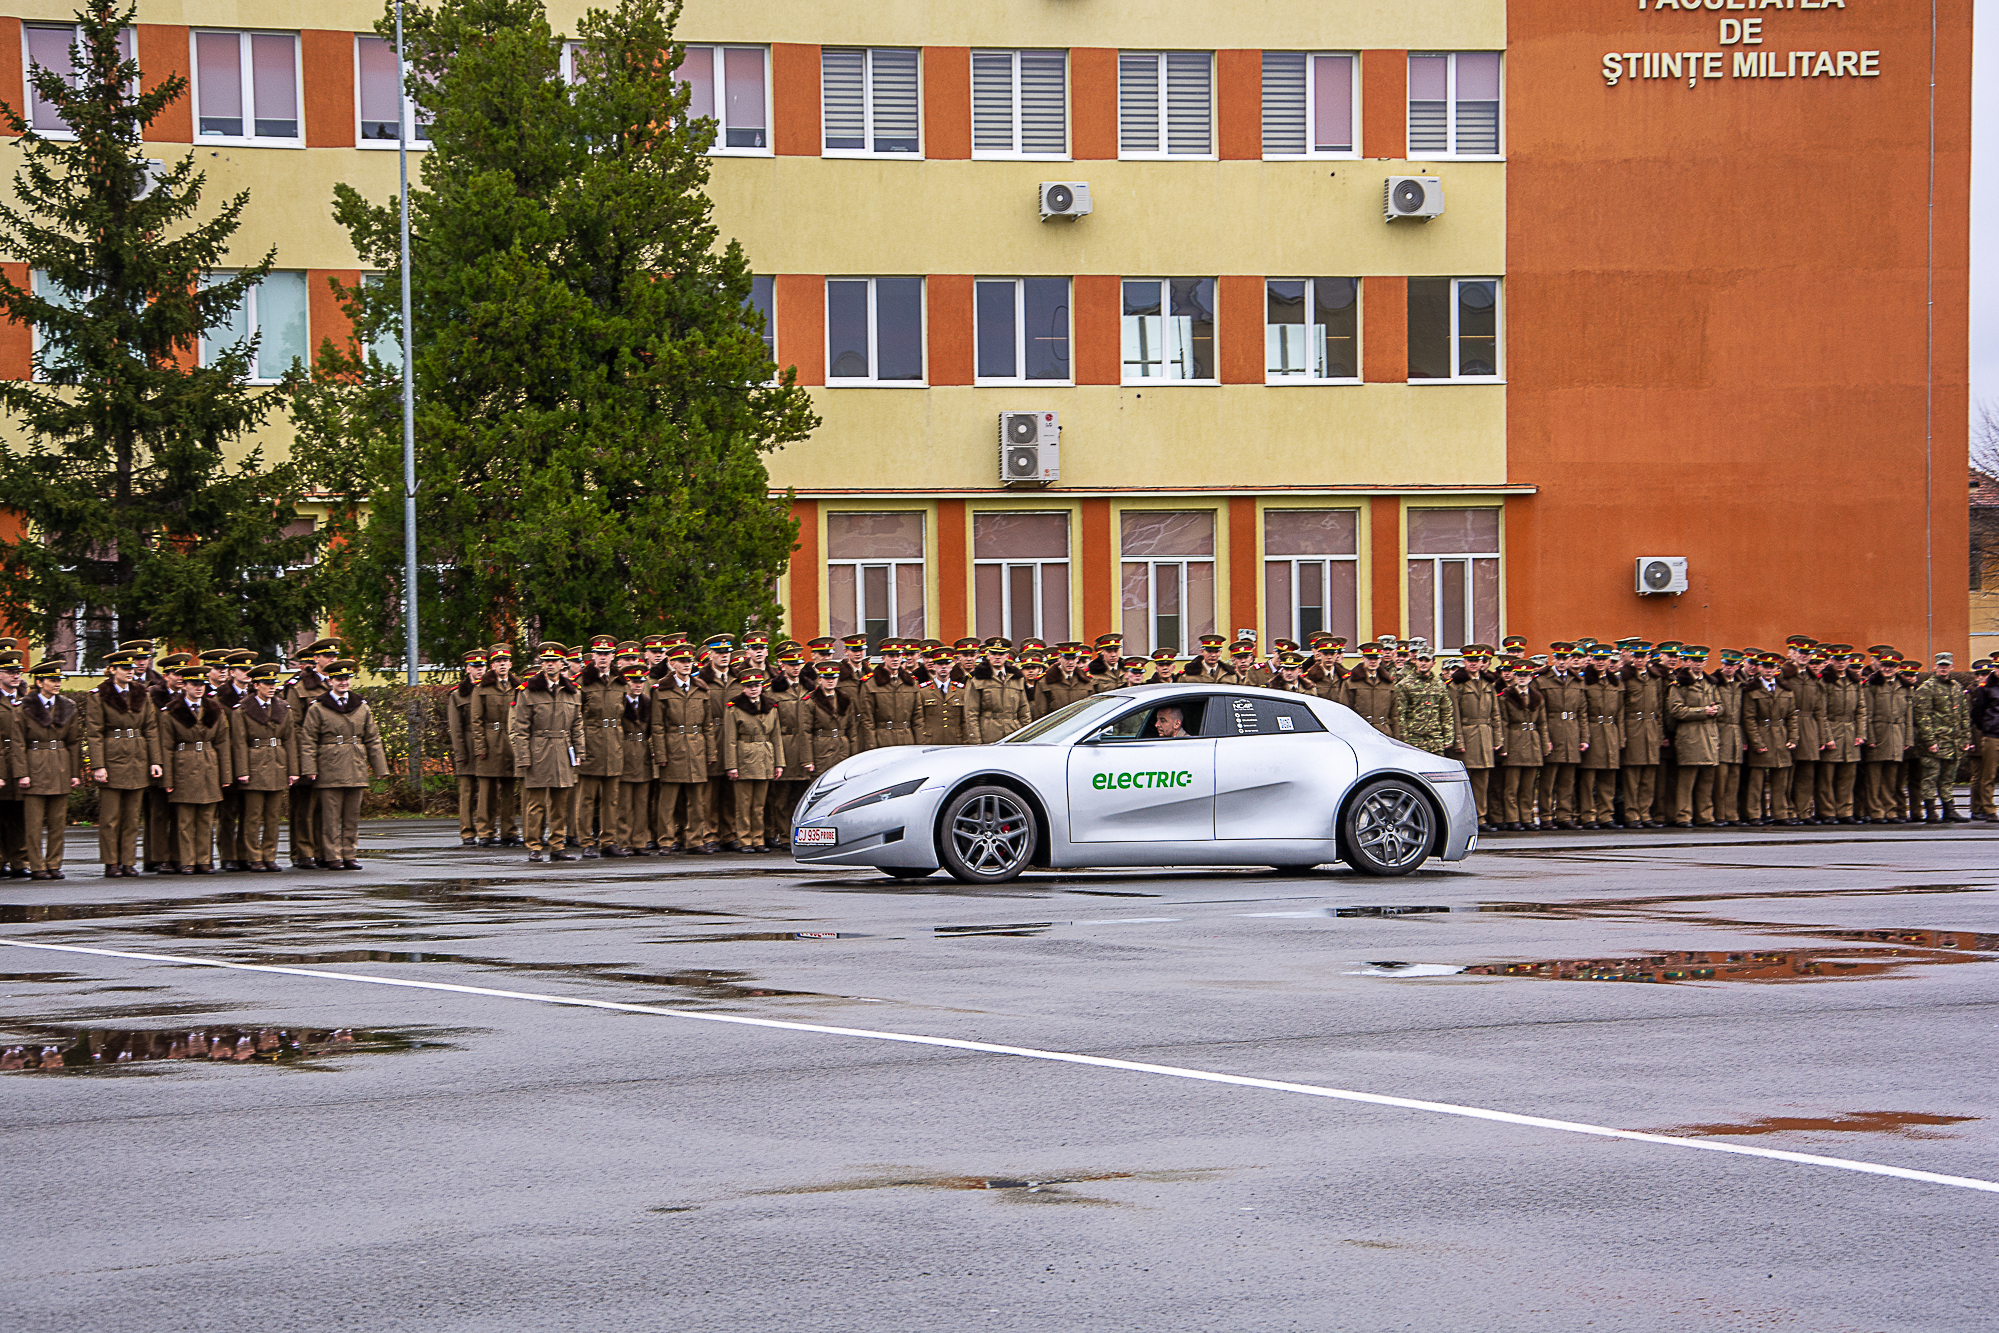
(1683, 279)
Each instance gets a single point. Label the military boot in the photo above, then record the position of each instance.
(1950, 814)
(1930, 814)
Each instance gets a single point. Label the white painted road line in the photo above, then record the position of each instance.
(1060, 1057)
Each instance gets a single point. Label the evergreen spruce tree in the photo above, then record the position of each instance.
(133, 506)
(593, 393)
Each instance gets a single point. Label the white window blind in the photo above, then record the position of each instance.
(1020, 103)
(868, 100)
(1165, 103)
(1454, 104)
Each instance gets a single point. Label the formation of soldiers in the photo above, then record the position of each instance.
(647, 747)
(204, 754)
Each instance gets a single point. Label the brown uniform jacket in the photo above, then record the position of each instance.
(1644, 715)
(194, 750)
(1373, 699)
(1478, 718)
(1523, 720)
(826, 730)
(1890, 719)
(995, 705)
(1603, 718)
(338, 744)
(1810, 694)
(121, 735)
(492, 755)
(789, 700)
(546, 731)
(635, 735)
(940, 713)
(1728, 736)
(1564, 697)
(458, 727)
(752, 739)
(683, 727)
(13, 759)
(1696, 736)
(1064, 687)
(886, 705)
(1769, 724)
(263, 744)
(602, 701)
(1845, 718)
(51, 750)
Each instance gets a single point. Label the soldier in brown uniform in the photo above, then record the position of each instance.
(940, 717)
(1208, 667)
(1068, 680)
(1603, 737)
(458, 729)
(264, 747)
(49, 764)
(635, 765)
(1561, 687)
(752, 758)
(1644, 711)
(683, 732)
(1523, 744)
(1474, 697)
(1291, 676)
(232, 850)
(545, 729)
(853, 668)
(1846, 723)
(1694, 704)
(496, 820)
(827, 726)
(194, 742)
(1890, 732)
(1106, 667)
(308, 850)
(1770, 730)
(121, 748)
(715, 675)
(1370, 691)
(601, 696)
(786, 695)
(1797, 676)
(1729, 747)
(340, 749)
(13, 761)
(885, 705)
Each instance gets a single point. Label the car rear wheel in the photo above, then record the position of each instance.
(1387, 829)
(986, 835)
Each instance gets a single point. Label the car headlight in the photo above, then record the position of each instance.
(885, 794)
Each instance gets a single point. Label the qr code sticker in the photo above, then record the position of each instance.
(1284, 724)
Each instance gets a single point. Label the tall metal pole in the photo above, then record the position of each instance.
(411, 657)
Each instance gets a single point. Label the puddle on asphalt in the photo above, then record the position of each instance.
(1016, 928)
(702, 983)
(59, 1050)
(30, 913)
(1037, 1189)
(1728, 965)
(1907, 1124)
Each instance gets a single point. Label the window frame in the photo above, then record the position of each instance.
(1451, 153)
(1498, 338)
(868, 105)
(1434, 631)
(1019, 285)
(1017, 153)
(128, 38)
(247, 73)
(873, 378)
(859, 564)
(409, 109)
(716, 52)
(1311, 291)
(1164, 153)
(1165, 308)
(253, 320)
(1184, 631)
(1040, 565)
(1311, 85)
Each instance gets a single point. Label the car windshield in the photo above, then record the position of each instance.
(1034, 731)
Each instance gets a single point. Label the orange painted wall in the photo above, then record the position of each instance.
(802, 617)
(325, 316)
(1384, 103)
(1093, 107)
(1384, 554)
(1239, 105)
(952, 575)
(1096, 319)
(17, 341)
(949, 328)
(1716, 305)
(1239, 328)
(163, 52)
(327, 59)
(1245, 568)
(947, 101)
(800, 299)
(1099, 570)
(794, 88)
(1384, 329)
(11, 58)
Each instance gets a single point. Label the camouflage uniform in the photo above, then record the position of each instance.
(1425, 715)
(1942, 719)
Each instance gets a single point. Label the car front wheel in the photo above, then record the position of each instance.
(1388, 829)
(986, 835)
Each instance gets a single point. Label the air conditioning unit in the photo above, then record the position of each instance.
(1030, 448)
(1064, 199)
(1661, 574)
(146, 176)
(1412, 198)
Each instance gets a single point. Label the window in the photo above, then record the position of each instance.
(51, 365)
(868, 100)
(50, 46)
(874, 330)
(1020, 573)
(1168, 329)
(1454, 576)
(387, 344)
(742, 112)
(763, 300)
(1020, 104)
(246, 86)
(1453, 328)
(1165, 103)
(1309, 105)
(874, 575)
(1325, 347)
(1241, 715)
(1311, 560)
(1454, 104)
(84, 638)
(378, 97)
(1023, 329)
(1167, 578)
(273, 312)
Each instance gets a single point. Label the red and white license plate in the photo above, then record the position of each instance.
(815, 837)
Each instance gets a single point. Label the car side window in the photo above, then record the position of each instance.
(1142, 724)
(1242, 715)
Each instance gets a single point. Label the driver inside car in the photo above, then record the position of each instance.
(1168, 725)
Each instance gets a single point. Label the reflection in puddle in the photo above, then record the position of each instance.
(98, 1048)
(1734, 965)
(1907, 1124)
(707, 984)
(1018, 928)
(1038, 1189)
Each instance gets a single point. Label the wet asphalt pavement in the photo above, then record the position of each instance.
(224, 1149)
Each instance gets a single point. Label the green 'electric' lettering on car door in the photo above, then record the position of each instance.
(1146, 780)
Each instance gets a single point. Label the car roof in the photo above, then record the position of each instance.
(1189, 687)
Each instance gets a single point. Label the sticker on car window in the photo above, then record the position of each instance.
(1283, 723)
